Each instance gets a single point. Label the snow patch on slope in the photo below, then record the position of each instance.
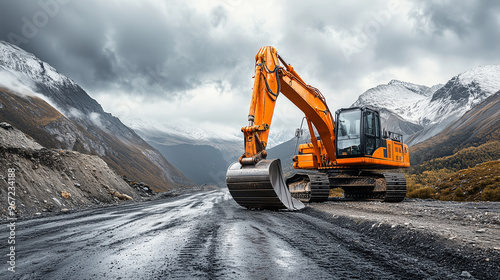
(14, 82)
(21, 85)
(181, 130)
(487, 76)
(22, 61)
(404, 99)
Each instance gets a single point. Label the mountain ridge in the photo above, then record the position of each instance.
(478, 126)
(85, 126)
(420, 112)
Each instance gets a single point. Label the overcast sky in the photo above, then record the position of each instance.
(193, 61)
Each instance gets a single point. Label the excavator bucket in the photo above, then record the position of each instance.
(260, 186)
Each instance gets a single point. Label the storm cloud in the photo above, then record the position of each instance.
(146, 53)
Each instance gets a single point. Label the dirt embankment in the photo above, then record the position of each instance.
(470, 224)
(46, 180)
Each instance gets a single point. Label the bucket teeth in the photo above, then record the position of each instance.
(260, 186)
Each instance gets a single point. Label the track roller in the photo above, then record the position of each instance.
(395, 187)
(309, 187)
(387, 187)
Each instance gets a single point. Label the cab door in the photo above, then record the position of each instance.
(371, 125)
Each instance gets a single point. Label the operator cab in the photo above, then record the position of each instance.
(357, 132)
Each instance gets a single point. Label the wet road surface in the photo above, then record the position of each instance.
(208, 236)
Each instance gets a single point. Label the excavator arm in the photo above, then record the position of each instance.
(270, 79)
(253, 181)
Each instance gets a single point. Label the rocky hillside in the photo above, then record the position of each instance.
(53, 180)
(461, 162)
(58, 113)
(478, 183)
(478, 126)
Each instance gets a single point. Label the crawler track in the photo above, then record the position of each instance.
(388, 187)
(317, 190)
(395, 187)
(315, 187)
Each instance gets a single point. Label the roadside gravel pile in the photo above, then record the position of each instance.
(474, 223)
(467, 234)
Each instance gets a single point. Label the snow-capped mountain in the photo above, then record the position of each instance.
(420, 112)
(73, 120)
(398, 97)
(177, 133)
(182, 131)
(281, 135)
(200, 154)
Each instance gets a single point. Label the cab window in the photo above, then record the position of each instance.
(348, 135)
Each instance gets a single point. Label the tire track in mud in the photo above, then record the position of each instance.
(331, 254)
(345, 254)
(423, 252)
(338, 251)
(195, 256)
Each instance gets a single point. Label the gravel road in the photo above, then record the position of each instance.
(208, 236)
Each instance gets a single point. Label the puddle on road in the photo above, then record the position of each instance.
(252, 252)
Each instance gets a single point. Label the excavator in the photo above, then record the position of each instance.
(351, 152)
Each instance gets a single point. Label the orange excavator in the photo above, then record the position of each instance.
(351, 152)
